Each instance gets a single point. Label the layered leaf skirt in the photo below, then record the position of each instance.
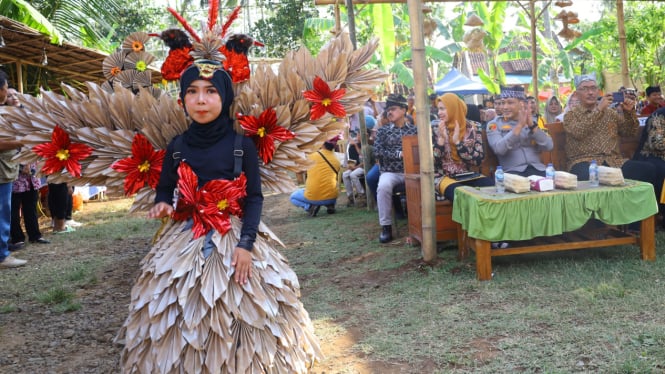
(188, 315)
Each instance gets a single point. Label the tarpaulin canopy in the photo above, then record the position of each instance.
(457, 83)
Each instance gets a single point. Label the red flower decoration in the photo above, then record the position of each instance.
(211, 206)
(143, 167)
(60, 153)
(325, 100)
(264, 130)
(176, 62)
(236, 64)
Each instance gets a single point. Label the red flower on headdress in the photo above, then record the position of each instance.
(60, 153)
(211, 206)
(264, 130)
(325, 100)
(236, 64)
(142, 167)
(176, 62)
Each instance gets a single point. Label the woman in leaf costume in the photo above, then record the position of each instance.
(213, 296)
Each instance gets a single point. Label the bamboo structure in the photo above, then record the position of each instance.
(533, 19)
(625, 78)
(428, 245)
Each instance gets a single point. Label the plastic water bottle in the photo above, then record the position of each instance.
(498, 180)
(549, 171)
(593, 174)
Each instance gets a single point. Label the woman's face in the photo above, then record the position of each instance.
(202, 101)
(12, 97)
(554, 106)
(443, 112)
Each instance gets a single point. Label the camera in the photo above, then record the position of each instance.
(617, 97)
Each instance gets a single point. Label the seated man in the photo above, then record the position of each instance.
(515, 139)
(355, 170)
(388, 151)
(321, 184)
(593, 132)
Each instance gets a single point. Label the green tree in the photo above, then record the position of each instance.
(598, 47)
(282, 30)
(88, 23)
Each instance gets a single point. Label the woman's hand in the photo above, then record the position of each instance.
(456, 133)
(242, 260)
(443, 134)
(160, 210)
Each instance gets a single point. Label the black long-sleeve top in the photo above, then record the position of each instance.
(216, 162)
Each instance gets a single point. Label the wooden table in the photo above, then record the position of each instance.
(553, 221)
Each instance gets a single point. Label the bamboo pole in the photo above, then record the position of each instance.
(625, 78)
(534, 49)
(424, 131)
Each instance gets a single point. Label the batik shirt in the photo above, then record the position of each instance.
(388, 146)
(653, 136)
(595, 135)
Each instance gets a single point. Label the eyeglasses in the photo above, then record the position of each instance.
(587, 88)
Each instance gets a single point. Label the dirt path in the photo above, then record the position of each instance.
(34, 339)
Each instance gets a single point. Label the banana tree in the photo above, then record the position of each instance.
(493, 17)
(22, 11)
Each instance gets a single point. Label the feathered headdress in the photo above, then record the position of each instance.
(288, 113)
(215, 44)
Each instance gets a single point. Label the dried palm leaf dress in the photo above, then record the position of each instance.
(187, 314)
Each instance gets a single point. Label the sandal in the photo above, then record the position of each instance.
(66, 230)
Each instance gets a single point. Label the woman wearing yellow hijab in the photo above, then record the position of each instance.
(458, 146)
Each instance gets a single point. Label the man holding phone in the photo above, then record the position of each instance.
(593, 131)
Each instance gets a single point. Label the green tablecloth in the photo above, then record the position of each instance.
(487, 215)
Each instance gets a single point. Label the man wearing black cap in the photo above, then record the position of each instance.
(388, 151)
(654, 101)
(515, 139)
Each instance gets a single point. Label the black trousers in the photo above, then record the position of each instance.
(59, 201)
(25, 203)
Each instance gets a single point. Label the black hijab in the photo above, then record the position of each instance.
(204, 135)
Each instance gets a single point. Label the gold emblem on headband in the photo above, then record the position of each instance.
(207, 69)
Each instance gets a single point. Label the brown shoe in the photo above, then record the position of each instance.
(11, 262)
(361, 200)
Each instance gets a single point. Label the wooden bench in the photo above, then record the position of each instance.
(446, 228)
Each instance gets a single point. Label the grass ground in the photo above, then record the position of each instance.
(376, 308)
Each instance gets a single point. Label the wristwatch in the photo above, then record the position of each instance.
(533, 127)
